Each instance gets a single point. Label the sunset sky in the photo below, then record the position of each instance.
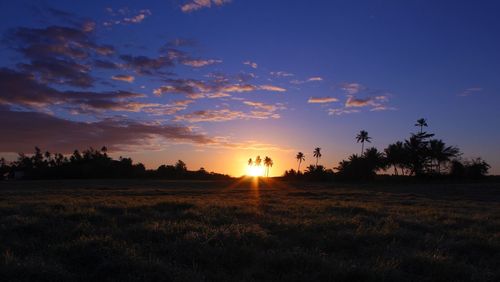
(216, 82)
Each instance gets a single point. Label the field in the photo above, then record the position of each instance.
(241, 230)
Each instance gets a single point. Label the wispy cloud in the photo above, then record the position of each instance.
(123, 77)
(251, 64)
(352, 88)
(195, 5)
(321, 100)
(198, 63)
(126, 16)
(341, 111)
(310, 79)
(281, 74)
(470, 91)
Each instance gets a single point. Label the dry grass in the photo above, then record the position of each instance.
(233, 231)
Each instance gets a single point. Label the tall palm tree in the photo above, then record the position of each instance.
(300, 158)
(268, 162)
(257, 161)
(363, 137)
(317, 154)
(421, 122)
(250, 161)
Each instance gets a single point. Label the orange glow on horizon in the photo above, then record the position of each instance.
(253, 170)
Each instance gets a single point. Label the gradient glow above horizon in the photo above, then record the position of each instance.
(217, 82)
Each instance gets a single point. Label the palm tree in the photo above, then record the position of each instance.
(421, 122)
(300, 157)
(363, 137)
(395, 156)
(441, 153)
(257, 161)
(268, 162)
(317, 154)
(250, 161)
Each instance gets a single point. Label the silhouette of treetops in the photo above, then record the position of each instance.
(92, 163)
(419, 155)
(267, 162)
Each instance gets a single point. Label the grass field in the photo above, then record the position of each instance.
(145, 230)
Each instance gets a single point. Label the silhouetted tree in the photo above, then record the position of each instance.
(417, 150)
(258, 161)
(395, 155)
(421, 123)
(268, 162)
(363, 137)
(317, 154)
(440, 153)
(300, 158)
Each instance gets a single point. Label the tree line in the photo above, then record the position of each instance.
(420, 155)
(92, 163)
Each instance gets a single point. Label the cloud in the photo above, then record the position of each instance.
(139, 17)
(360, 102)
(263, 106)
(365, 102)
(198, 63)
(169, 109)
(251, 64)
(195, 5)
(341, 111)
(272, 88)
(58, 54)
(105, 64)
(320, 100)
(310, 79)
(146, 65)
(281, 74)
(123, 77)
(28, 129)
(22, 90)
(224, 115)
(352, 88)
(315, 78)
(125, 16)
(470, 91)
(216, 87)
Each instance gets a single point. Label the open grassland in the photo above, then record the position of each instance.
(123, 230)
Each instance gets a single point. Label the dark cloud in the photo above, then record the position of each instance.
(60, 72)
(146, 65)
(21, 131)
(58, 54)
(22, 89)
(105, 64)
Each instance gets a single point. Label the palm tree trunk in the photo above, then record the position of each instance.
(362, 147)
(298, 169)
(317, 161)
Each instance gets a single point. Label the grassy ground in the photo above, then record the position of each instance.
(122, 230)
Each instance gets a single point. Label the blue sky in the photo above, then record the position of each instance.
(234, 79)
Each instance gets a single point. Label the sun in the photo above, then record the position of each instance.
(253, 170)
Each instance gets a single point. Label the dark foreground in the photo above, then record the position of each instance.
(227, 231)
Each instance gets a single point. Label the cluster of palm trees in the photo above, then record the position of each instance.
(417, 155)
(301, 157)
(268, 163)
(420, 154)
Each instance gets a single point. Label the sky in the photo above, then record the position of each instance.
(215, 82)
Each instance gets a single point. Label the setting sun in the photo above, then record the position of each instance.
(253, 170)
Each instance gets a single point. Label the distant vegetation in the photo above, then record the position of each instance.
(420, 155)
(93, 163)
